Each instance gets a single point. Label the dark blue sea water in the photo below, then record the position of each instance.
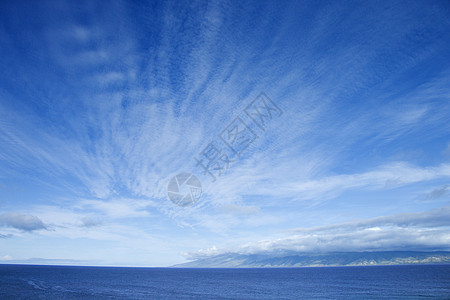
(379, 282)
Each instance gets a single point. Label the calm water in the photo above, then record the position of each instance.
(391, 282)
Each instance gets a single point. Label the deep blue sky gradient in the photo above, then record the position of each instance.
(102, 103)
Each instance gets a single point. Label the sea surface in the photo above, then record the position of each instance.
(375, 282)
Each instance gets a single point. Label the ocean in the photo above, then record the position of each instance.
(374, 282)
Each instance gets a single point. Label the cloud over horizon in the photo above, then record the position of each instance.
(414, 231)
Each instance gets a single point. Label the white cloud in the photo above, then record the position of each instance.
(120, 208)
(270, 179)
(21, 221)
(438, 192)
(412, 231)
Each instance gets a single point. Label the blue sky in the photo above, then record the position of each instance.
(101, 104)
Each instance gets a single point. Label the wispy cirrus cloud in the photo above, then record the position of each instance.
(281, 179)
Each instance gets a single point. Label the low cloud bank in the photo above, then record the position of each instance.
(412, 231)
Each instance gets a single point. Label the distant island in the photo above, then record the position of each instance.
(295, 259)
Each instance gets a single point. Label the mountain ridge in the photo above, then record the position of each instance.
(301, 259)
